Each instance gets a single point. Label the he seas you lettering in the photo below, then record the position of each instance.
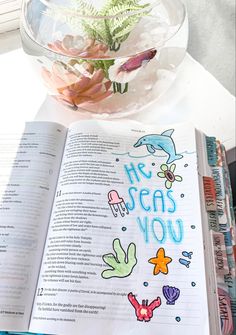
(161, 227)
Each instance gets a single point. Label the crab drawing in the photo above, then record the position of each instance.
(144, 312)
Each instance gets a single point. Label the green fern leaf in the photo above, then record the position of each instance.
(110, 4)
(126, 30)
(112, 32)
(123, 9)
(84, 8)
(123, 23)
(92, 30)
(117, 23)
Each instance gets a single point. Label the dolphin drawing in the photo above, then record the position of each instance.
(160, 142)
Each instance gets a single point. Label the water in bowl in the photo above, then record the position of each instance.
(84, 74)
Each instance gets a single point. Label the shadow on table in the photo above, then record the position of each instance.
(10, 41)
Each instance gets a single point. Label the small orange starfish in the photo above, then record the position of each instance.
(160, 262)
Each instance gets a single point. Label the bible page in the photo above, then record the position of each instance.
(29, 166)
(124, 252)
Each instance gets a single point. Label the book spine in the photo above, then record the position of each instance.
(222, 224)
(230, 237)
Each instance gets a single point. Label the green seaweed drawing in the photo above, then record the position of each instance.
(121, 264)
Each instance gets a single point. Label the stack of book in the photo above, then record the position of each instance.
(9, 15)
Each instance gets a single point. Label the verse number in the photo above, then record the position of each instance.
(58, 193)
(40, 292)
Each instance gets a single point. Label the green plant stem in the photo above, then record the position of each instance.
(108, 32)
(126, 88)
(114, 87)
(119, 88)
(115, 46)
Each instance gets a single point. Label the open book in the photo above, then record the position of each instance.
(112, 228)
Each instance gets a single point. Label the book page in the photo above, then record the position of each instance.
(29, 166)
(124, 251)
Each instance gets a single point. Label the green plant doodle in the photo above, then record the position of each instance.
(121, 264)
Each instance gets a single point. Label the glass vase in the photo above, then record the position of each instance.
(105, 57)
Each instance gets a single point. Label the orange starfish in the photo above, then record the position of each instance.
(160, 262)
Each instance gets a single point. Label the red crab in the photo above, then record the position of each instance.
(144, 312)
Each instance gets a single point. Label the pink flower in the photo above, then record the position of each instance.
(125, 70)
(77, 46)
(75, 88)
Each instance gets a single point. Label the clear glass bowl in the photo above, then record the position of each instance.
(108, 56)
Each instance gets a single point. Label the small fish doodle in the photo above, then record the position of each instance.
(117, 204)
(144, 311)
(184, 262)
(187, 254)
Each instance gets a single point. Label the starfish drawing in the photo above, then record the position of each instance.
(160, 262)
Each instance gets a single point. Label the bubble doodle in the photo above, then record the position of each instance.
(182, 195)
(153, 164)
(117, 160)
(193, 227)
(193, 284)
(178, 319)
(145, 284)
(185, 165)
(123, 228)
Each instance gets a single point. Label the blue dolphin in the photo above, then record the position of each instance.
(160, 142)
